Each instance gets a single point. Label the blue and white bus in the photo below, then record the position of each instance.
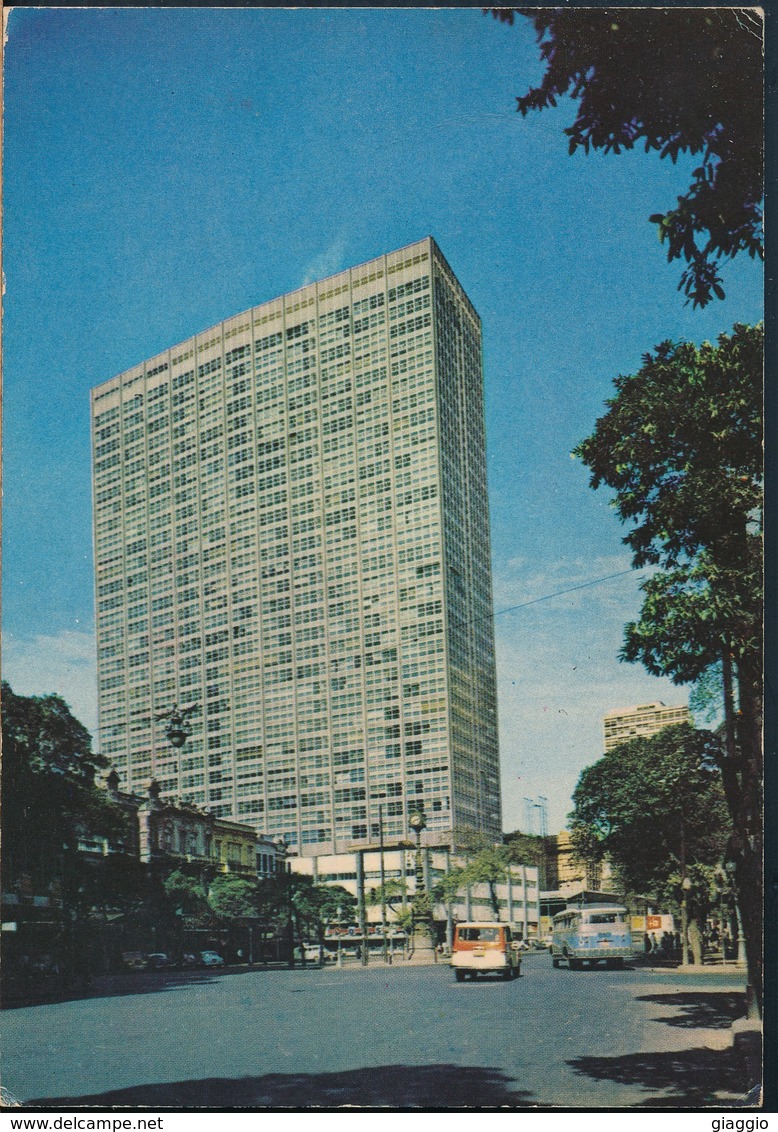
(591, 933)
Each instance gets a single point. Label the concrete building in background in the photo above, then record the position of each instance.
(622, 724)
(291, 533)
(518, 896)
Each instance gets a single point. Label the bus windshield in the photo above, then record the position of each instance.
(606, 918)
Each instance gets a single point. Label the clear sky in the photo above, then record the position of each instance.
(168, 168)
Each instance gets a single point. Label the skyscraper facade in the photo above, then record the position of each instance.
(291, 533)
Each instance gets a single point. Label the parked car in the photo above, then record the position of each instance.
(188, 961)
(211, 959)
(159, 960)
(312, 953)
(134, 960)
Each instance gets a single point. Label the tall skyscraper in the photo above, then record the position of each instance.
(622, 724)
(291, 532)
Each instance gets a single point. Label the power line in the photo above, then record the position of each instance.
(559, 593)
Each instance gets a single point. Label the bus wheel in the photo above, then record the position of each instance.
(459, 976)
(615, 964)
(575, 964)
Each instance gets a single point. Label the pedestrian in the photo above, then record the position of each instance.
(647, 943)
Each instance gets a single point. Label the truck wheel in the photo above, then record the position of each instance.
(554, 961)
(575, 964)
(459, 976)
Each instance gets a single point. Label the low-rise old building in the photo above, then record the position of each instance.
(167, 834)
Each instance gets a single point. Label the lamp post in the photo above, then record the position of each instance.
(417, 821)
(340, 929)
(383, 878)
(730, 869)
(686, 884)
(176, 730)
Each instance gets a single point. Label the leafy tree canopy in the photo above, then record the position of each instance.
(48, 771)
(681, 445)
(233, 897)
(652, 806)
(677, 81)
(187, 894)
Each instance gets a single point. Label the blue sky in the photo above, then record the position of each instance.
(165, 169)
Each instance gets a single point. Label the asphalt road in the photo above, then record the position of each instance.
(382, 1037)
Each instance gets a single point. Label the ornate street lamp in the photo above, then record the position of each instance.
(422, 913)
(176, 730)
(417, 821)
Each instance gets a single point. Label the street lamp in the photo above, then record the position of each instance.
(176, 731)
(731, 868)
(417, 821)
(421, 911)
(686, 884)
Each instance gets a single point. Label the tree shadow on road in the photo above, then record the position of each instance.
(688, 1078)
(715, 1010)
(382, 1086)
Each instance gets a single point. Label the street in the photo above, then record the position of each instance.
(398, 1036)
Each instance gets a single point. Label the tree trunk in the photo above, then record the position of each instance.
(494, 899)
(695, 932)
(747, 839)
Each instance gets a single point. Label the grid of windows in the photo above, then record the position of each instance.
(291, 531)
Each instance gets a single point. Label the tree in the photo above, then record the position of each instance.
(50, 800)
(295, 908)
(233, 897)
(485, 864)
(677, 81)
(681, 445)
(50, 803)
(526, 848)
(656, 807)
(187, 895)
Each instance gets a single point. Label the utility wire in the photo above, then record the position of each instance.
(559, 593)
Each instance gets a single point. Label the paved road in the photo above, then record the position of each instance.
(399, 1036)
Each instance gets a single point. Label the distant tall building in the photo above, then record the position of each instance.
(291, 531)
(622, 724)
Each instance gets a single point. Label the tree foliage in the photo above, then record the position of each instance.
(681, 445)
(189, 899)
(292, 902)
(50, 799)
(654, 806)
(676, 81)
(233, 897)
